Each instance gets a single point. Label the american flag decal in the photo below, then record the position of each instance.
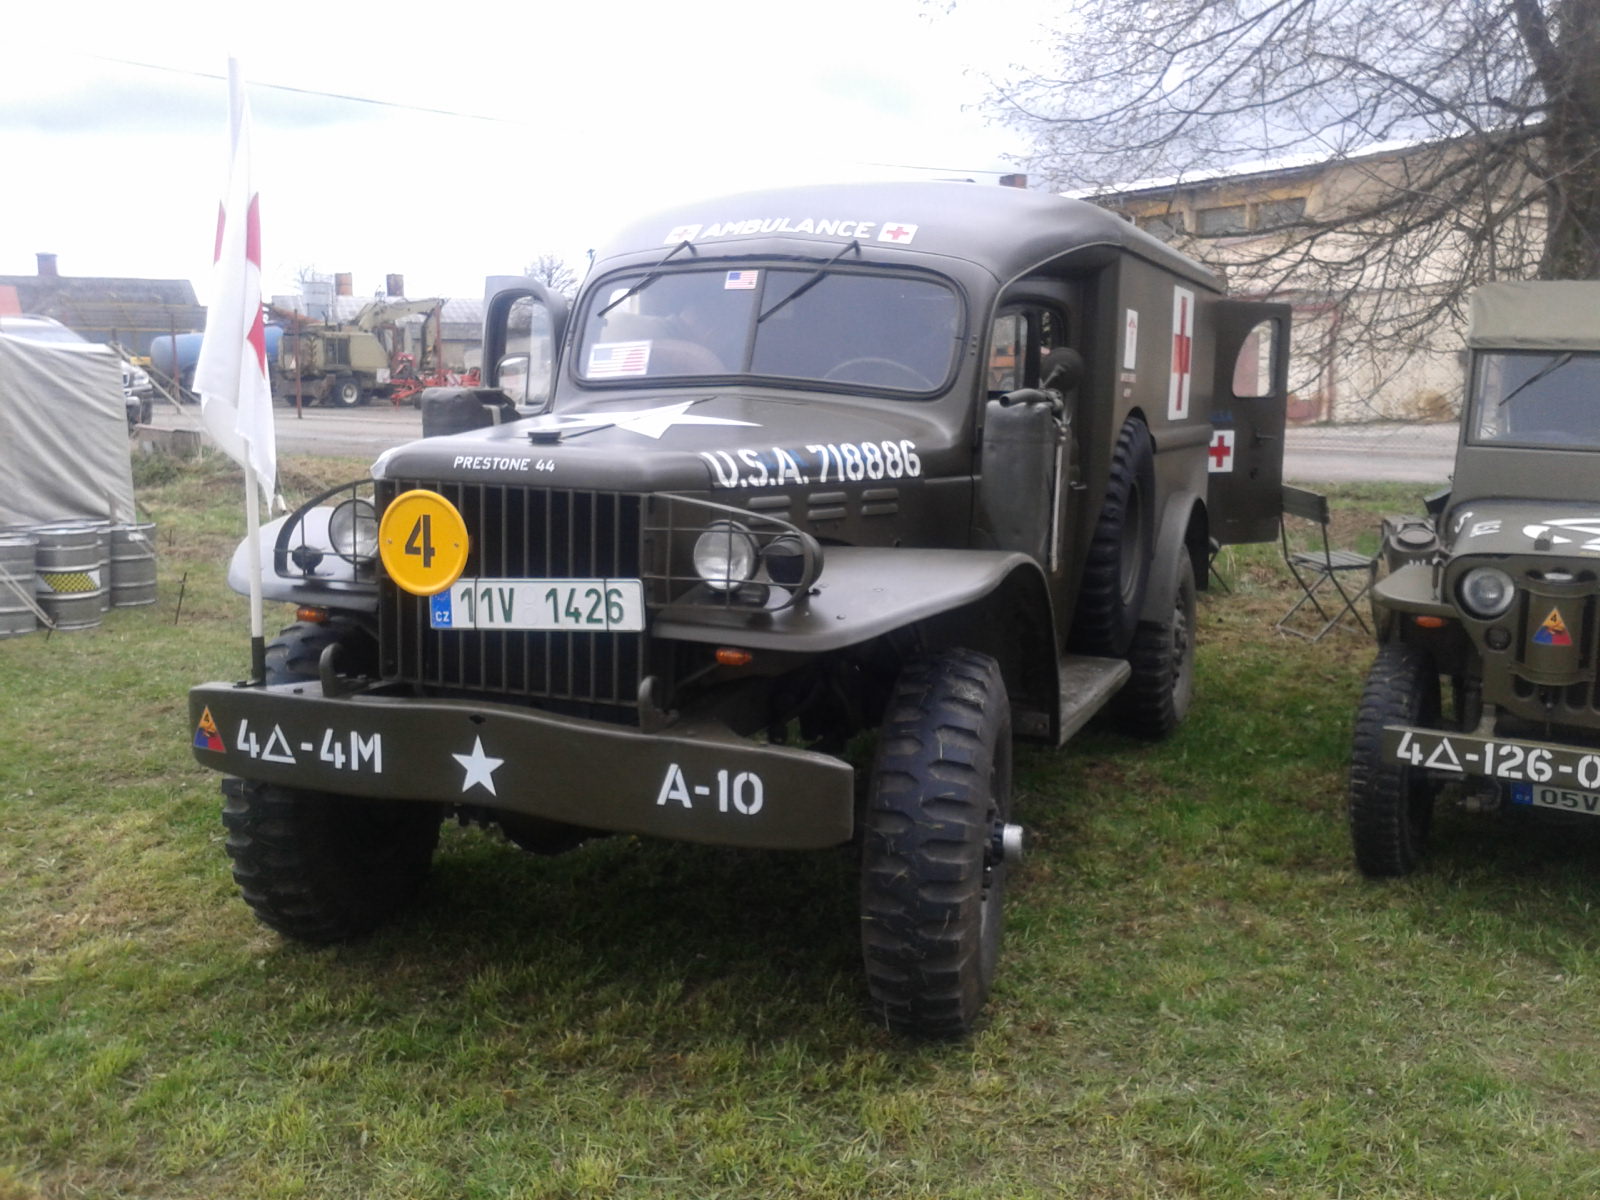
(612, 360)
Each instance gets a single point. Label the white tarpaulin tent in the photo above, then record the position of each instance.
(64, 451)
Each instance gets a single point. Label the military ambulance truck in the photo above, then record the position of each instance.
(939, 461)
(1495, 591)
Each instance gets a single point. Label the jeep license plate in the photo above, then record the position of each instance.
(1561, 799)
(571, 605)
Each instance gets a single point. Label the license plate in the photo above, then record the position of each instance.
(1539, 795)
(1563, 767)
(570, 605)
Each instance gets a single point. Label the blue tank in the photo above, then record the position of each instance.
(175, 356)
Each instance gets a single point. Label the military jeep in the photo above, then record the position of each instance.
(1496, 591)
(938, 461)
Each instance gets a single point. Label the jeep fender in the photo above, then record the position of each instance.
(1182, 531)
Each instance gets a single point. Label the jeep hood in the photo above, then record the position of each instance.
(1524, 527)
(685, 440)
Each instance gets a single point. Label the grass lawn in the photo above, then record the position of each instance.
(1198, 995)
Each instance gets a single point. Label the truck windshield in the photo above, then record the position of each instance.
(1549, 399)
(884, 332)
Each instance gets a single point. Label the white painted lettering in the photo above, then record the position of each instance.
(675, 787)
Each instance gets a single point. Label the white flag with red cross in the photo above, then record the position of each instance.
(231, 374)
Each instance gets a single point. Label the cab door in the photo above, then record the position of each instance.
(1250, 394)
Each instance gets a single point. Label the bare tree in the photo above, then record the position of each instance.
(1471, 130)
(552, 271)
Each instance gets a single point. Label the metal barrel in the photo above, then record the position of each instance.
(133, 564)
(70, 574)
(16, 572)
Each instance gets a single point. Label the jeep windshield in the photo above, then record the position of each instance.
(850, 328)
(1548, 399)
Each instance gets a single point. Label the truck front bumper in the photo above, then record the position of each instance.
(692, 781)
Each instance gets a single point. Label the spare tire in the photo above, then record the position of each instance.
(1111, 593)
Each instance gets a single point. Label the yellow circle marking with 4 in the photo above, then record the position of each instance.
(423, 542)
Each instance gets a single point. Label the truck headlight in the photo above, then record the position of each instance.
(725, 555)
(1486, 591)
(353, 530)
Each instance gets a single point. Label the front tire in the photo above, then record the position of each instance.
(1391, 804)
(933, 875)
(314, 866)
(346, 392)
(1157, 696)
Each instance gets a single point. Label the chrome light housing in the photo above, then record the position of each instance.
(725, 555)
(1486, 592)
(353, 530)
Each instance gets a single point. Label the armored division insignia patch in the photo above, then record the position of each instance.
(206, 736)
(1553, 632)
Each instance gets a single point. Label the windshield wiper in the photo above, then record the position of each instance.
(811, 282)
(651, 277)
(1548, 369)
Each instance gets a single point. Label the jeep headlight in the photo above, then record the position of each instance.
(353, 530)
(1486, 592)
(725, 555)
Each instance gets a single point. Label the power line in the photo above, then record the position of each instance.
(469, 116)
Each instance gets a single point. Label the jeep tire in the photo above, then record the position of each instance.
(1391, 804)
(319, 867)
(933, 875)
(1111, 593)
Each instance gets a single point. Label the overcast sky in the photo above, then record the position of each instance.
(573, 117)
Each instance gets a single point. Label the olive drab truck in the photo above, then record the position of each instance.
(940, 461)
(1495, 592)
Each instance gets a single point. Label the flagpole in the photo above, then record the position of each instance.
(252, 521)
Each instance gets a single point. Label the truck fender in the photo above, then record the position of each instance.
(863, 593)
(334, 585)
(1182, 531)
(993, 601)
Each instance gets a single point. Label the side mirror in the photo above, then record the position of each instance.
(523, 323)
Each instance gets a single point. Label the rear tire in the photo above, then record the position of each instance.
(933, 879)
(315, 866)
(1391, 804)
(1117, 569)
(1156, 698)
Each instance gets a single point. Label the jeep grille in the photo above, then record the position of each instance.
(523, 533)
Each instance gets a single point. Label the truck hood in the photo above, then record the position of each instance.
(686, 440)
(1524, 527)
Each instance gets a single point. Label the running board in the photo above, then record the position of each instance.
(1087, 684)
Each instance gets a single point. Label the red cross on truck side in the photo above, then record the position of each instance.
(1221, 450)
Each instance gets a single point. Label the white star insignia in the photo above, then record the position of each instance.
(479, 768)
(651, 422)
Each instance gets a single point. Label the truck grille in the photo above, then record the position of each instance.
(523, 533)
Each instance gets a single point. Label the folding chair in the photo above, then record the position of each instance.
(1314, 569)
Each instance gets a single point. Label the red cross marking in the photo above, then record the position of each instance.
(896, 232)
(1221, 451)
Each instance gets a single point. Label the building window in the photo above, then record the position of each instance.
(1275, 213)
(1213, 222)
(1165, 226)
